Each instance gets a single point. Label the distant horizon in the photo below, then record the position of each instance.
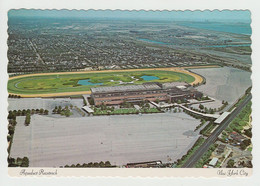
(175, 15)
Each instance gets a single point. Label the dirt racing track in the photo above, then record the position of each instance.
(179, 74)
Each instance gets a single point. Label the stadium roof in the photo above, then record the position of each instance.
(145, 86)
(125, 88)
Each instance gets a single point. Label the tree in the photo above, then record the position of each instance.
(33, 111)
(248, 133)
(19, 113)
(107, 164)
(41, 111)
(11, 162)
(23, 112)
(25, 162)
(46, 112)
(90, 164)
(201, 106)
(78, 165)
(243, 146)
(96, 164)
(55, 111)
(230, 163)
(27, 119)
(11, 115)
(84, 165)
(67, 113)
(19, 161)
(59, 110)
(112, 108)
(73, 166)
(101, 164)
(10, 130)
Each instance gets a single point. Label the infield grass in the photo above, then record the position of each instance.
(44, 84)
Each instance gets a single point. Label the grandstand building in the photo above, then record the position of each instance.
(115, 95)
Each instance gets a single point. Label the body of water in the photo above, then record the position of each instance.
(224, 46)
(149, 78)
(152, 41)
(236, 28)
(209, 46)
(86, 82)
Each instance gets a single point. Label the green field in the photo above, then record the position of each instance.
(44, 84)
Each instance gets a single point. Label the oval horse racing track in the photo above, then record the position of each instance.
(66, 83)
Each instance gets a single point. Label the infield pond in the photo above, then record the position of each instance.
(88, 81)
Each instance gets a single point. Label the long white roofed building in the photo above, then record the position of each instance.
(114, 95)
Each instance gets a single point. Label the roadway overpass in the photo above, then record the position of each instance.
(211, 139)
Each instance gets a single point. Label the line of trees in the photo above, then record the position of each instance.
(18, 162)
(204, 109)
(205, 158)
(203, 98)
(14, 113)
(28, 119)
(207, 128)
(245, 143)
(27, 113)
(196, 116)
(14, 96)
(62, 111)
(185, 157)
(91, 164)
(203, 121)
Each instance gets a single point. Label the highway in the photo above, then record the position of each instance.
(212, 138)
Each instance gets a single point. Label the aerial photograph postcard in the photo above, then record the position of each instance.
(129, 89)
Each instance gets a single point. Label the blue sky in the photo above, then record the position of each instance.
(238, 15)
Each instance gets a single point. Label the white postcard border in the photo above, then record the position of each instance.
(251, 5)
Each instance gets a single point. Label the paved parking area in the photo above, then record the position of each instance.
(45, 103)
(224, 83)
(53, 142)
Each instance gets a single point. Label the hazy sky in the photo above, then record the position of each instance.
(238, 15)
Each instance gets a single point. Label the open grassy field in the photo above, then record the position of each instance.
(44, 85)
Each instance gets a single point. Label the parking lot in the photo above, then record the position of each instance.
(121, 139)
